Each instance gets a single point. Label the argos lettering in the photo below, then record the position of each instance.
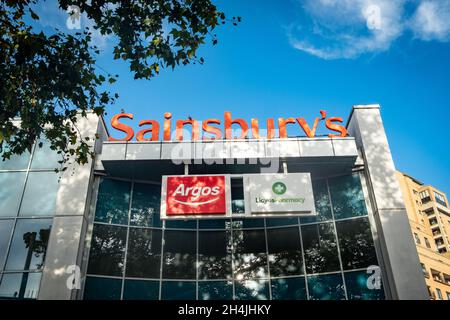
(211, 128)
(194, 195)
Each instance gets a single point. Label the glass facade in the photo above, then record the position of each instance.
(133, 255)
(28, 191)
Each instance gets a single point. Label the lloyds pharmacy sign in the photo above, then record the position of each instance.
(209, 196)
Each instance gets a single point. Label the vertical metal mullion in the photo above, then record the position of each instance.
(232, 257)
(337, 241)
(303, 258)
(126, 242)
(267, 259)
(163, 229)
(196, 265)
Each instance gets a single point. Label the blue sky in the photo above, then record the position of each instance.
(293, 58)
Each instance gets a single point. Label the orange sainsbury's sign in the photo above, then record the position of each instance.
(211, 130)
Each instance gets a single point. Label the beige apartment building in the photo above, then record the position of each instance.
(429, 217)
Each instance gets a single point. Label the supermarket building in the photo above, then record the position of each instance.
(315, 217)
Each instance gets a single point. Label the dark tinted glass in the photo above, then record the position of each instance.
(178, 290)
(107, 250)
(289, 289)
(141, 290)
(215, 290)
(347, 196)
(356, 243)
(20, 285)
(180, 249)
(285, 254)
(213, 224)
(250, 258)
(29, 244)
(145, 205)
(275, 222)
(252, 290)
(5, 235)
(144, 253)
(321, 201)
(319, 243)
(248, 223)
(113, 201)
(214, 255)
(181, 224)
(237, 196)
(102, 288)
(363, 286)
(326, 287)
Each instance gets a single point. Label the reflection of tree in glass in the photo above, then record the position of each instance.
(250, 258)
(36, 245)
(113, 201)
(356, 243)
(107, 250)
(144, 253)
(320, 248)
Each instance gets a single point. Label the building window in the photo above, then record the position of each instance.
(135, 255)
(237, 195)
(425, 196)
(440, 199)
(427, 243)
(439, 293)
(448, 295)
(417, 238)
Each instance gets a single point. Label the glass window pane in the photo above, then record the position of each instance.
(285, 253)
(319, 244)
(102, 288)
(20, 285)
(361, 287)
(275, 222)
(44, 157)
(144, 253)
(215, 290)
(5, 235)
(326, 287)
(181, 224)
(289, 289)
(39, 198)
(321, 201)
(213, 224)
(145, 205)
(113, 201)
(214, 255)
(347, 196)
(107, 250)
(252, 290)
(141, 290)
(178, 290)
(248, 223)
(250, 257)
(356, 243)
(10, 196)
(180, 252)
(29, 244)
(15, 162)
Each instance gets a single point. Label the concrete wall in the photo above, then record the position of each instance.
(66, 241)
(405, 278)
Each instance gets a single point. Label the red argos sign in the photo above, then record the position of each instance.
(194, 195)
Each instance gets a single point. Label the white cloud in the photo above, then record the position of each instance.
(335, 29)
(431, 21)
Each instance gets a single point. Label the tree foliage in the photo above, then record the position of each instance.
(49, 80)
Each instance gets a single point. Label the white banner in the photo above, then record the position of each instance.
(280, 193)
